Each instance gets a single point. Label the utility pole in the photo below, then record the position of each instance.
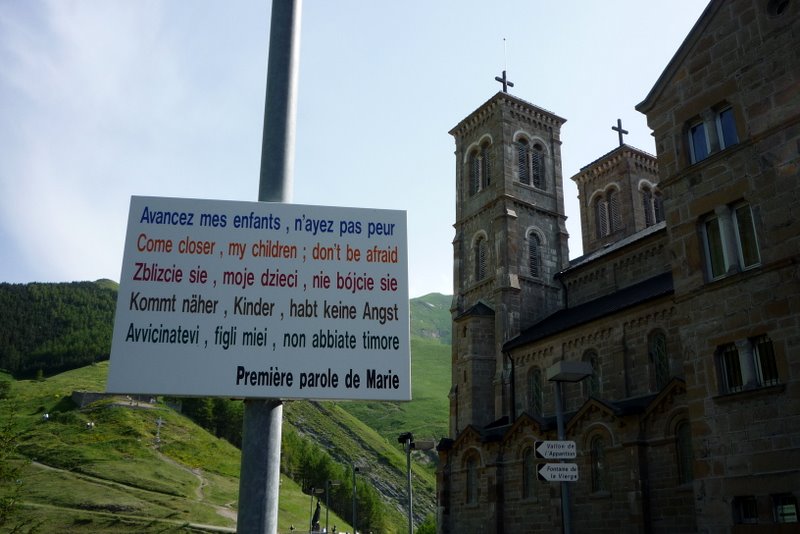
(259, 481)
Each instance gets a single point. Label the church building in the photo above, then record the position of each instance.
(683, 313)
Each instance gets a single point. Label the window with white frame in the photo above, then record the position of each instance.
(747, 364)
(716, 130)
(729, 240)
(784, 508)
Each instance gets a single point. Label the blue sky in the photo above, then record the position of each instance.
(104, 99)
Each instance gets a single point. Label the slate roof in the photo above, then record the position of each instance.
(479, 309)
(565, 319)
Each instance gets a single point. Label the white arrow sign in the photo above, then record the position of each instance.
(558, 472)
(555, 450)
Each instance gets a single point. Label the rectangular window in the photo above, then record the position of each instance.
(730, 369)
(715, 253)
(746, 236)
(765, 361)
(726, 128)
(784, 508)
(745, 510)
(698, 142)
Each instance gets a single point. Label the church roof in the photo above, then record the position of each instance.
(586, 258)
(480, 309)
(657, 286)
(500, 96)
(620, 149)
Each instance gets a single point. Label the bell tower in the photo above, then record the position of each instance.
(510, 242)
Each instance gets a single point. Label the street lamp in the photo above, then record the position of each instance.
(328, 485)
(566, 372)
(407, 439)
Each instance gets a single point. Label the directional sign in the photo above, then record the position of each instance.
(558, 472)
(555, 450)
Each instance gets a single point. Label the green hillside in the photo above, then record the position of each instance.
(111, 477)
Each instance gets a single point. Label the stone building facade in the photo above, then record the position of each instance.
(685, 304)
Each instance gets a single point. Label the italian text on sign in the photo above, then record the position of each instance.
(256, 299)
(555, 450)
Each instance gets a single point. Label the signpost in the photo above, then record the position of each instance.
(555, 450)
(561, 472)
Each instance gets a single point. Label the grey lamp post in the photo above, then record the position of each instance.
(564, 371)
(407, 439)
(328, 485)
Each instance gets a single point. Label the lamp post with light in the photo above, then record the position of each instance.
(564, 371)
(407, 439)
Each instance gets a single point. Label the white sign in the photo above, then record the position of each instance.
(256, 299)
(558, 472)
(555, 450)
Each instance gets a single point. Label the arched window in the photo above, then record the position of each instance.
(472, 480)
(535, 395)
(481, 253)
(658, 355)
(474, 172)
(528, 473)
(614, 216)
(608, 217)
(658, 206)
(647, 203)
(530, 164)
(683, 451)
(486, 166)
(534, 256)
(601, 216)
(599, 467)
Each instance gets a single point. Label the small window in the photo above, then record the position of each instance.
(698, 142)
(474, 172)
(747, 364)
(766, 367)
(528, 473)
(746, 236)
(658, 355)
(745, 510)
(480, 259)
(601, 217)
(530, 164)
(683, 450)
(599, 469)
(725, 229)
(726, 128)
(614, 215)
(593, 381)
(486, 166)
(647, 207)
(535, 394)
(534, 256)
(472, 481)
(522, 162)
(784, 506)
(730, 368)
(658, 206)
(715, 253)
(537, 167)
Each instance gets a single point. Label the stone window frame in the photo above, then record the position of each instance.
(606, 209)
(729, 240)
(592, 386)
(659, 356)
(531, 157)
(480, 256)
(471, 466)
(478, 162)
(684, 453)
(534, 263)
(746, 364)
(529, 473)
(599, 473)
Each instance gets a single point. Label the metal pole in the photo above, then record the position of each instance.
(259, 482)
(327, 502)
(408, 469)
(311, 512)
(566, 520)
(354, 499)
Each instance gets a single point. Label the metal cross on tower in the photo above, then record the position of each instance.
(504, 81)
(619, 130)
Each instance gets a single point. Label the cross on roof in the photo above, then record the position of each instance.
(619, 130)
(504, 81)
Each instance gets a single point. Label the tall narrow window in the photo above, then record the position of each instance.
(537, 167)
(601, 216)
(658, 355)
(535, 394)
(766, 368)
(522, 162)
(647, 206)
(593, 382)
(746, 236)
(614, 215)
(598, 459)
(715, 253)
(486, 166)
(472, 480)
(698, 142)
(528, 473)
(480, 259)
(474, 172)
(534, 255)
(730, 368)
(726, 128)
(784, 506)
(658, 206)
(745, 509)
(683, 449)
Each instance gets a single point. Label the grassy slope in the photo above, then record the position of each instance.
(112, 478)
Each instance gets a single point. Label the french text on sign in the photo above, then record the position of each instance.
(555, 450)
(557, 472)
